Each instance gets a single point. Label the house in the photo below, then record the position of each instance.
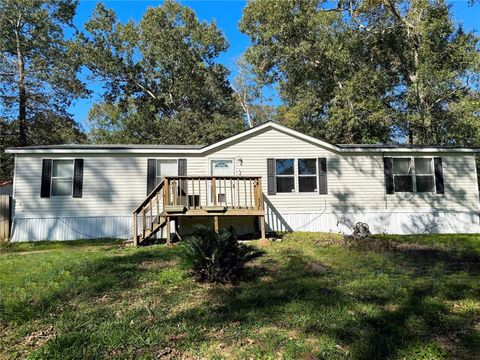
(268, 178)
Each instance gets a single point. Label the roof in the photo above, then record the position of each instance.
(401, 146)
(200, 149)
(106, 147)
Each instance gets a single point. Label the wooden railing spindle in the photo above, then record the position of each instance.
(245, 191)
(250, 191)
(231, 194)
(238, 193)
(214, 191)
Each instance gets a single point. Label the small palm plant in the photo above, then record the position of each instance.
(216, 257)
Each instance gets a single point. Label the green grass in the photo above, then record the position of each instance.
(68, 300)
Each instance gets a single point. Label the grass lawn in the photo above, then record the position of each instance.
(308, 297)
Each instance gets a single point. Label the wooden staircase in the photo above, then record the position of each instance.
(208, 196)
(149, 212)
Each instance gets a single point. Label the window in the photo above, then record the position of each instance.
(409, 178)
(222, 167)
(307, 175)
(62, 178)
(285, 174)
(403, 175)
(424, 179)
(166, 168)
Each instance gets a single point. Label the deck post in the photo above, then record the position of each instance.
(135, 231)
(262, 226)
(168, 231)
(215, 224)
(263, 241)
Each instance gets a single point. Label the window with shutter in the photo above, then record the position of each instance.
(307, 175)
(62, 178)
(166, 167)
(403, 174)
(413, 174)
(285, 173)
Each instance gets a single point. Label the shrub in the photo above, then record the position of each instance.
(216, 257)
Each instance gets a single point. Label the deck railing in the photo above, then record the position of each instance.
(196, 195)
(201, 192)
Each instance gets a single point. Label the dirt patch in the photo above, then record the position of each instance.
(411, 249)
(329, 242)
(157, 264)
(317, 267)
(40, 337)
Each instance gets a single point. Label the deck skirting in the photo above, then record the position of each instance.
(390, 222)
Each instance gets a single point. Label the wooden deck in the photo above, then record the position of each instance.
(207, 196)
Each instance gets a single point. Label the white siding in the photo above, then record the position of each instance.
(115, 184)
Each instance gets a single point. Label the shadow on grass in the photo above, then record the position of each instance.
(395, 312)
(371, 324)
(89, 279)
(13, 247)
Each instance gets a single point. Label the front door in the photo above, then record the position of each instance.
(225, 187)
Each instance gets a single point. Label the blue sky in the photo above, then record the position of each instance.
(227, 14)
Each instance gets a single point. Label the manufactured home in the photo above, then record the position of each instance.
(268, 178)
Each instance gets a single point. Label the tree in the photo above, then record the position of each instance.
(162, 84)
(439, 68)
(47, 128)
(37, 72)
(249, 93)
(368, 71)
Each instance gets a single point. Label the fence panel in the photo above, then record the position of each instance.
(5, 217)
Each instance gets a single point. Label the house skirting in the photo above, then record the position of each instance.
(121, 227)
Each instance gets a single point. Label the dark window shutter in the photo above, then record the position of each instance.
(439, 186)
(322, 176)
(46, 178)
(78, 178)
(182, 167)
(271, 180)
(151, 175)
(388, 169)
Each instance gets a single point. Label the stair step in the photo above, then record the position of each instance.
(155, 228)
(175, 208)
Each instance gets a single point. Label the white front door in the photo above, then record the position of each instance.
(221, 167)
(225, 193)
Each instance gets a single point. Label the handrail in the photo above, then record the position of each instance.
(149, 197)
(188, 177)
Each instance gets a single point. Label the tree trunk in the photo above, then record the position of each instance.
(22, 94)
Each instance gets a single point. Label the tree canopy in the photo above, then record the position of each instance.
(368, 71)
(38, 75)
(162, 83)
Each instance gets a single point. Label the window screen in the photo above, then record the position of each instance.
(62, 178)
(307, 175)
(402, 175)
(285, 175)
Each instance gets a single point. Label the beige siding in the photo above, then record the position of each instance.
(115, 184)
(355, 182)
